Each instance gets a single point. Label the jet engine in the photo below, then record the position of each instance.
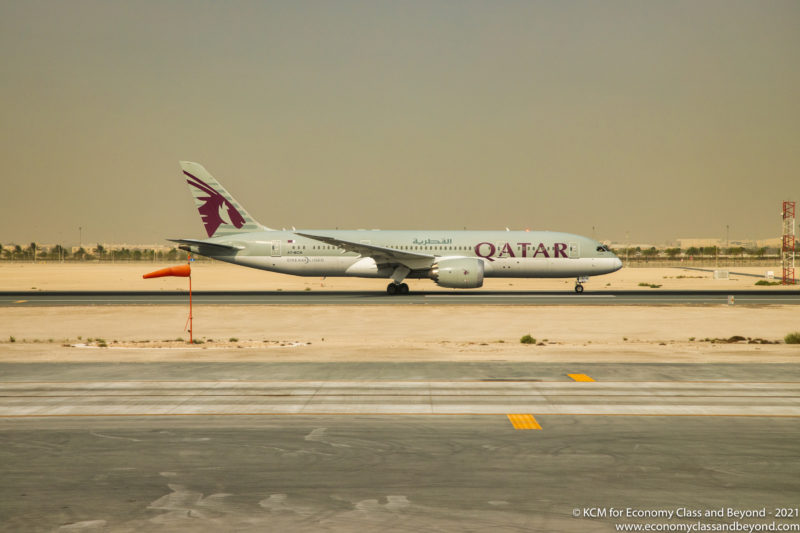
(458, 272)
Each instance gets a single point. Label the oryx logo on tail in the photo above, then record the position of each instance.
(214, 207)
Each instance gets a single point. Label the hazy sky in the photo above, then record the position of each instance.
(657, 119)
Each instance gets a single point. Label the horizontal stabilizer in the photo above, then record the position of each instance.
(197, 242)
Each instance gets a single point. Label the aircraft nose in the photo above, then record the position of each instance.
(617, 263)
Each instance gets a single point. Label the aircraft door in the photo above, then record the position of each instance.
(276, 248)
(573, 252)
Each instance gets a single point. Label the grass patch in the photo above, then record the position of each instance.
(651, 285)
(527, 339)
(792, 338)
(198, 341)
(765, 282)
(233, 339)
(12, 339)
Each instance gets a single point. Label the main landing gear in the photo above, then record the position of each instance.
(579, 284)
(397, 288)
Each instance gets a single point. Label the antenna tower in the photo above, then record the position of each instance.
(788, 243)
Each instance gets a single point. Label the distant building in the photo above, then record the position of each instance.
(685, 244)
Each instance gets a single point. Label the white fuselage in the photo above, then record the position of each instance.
(510, 254)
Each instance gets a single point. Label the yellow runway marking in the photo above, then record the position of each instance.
(324, 413)
(20, 301)
(580, 377)
(524, 422)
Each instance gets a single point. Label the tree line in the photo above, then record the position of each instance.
(37, 252)
(700, 252)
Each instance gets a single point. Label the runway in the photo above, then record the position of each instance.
(449, 398)
(652, 297)
(390, 447)
(160, 389)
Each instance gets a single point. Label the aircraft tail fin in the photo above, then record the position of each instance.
(220, 212)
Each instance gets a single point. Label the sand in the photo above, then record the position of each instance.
(399, 333)
(381, 333)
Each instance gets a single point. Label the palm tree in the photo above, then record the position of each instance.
(58, 252)
(650, 252)
(709, 250)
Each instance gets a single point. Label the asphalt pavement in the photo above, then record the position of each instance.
(643, 297)
(392, 446)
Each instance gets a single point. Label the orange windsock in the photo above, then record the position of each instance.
(182, 271)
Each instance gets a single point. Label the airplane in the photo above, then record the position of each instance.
(452, 259)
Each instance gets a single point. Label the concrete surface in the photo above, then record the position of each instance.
(387, 472)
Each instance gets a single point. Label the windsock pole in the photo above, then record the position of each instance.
(183, 271)
(191, 341)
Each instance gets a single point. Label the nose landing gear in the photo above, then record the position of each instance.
(579, 283)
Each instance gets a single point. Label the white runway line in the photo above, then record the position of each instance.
(159, 398)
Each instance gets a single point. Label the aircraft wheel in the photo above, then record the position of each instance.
(391, 289)
(402, 288)
(579, 288)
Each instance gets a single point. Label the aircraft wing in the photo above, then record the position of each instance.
(380, 254)
(216, 245)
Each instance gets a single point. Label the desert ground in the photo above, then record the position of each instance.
(398, 332)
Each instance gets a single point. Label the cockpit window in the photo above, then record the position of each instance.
(603, 248)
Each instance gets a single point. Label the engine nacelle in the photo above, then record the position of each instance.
(458, 273)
